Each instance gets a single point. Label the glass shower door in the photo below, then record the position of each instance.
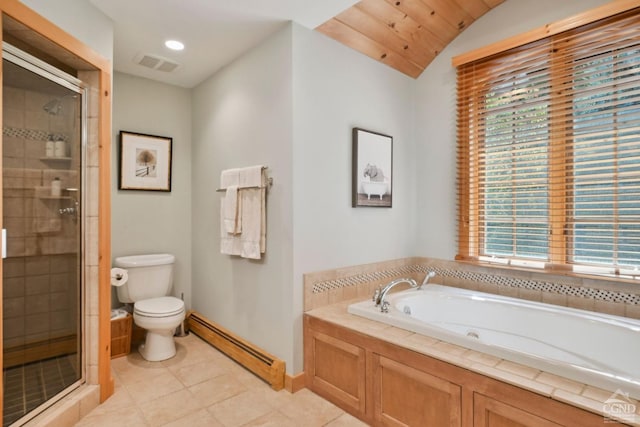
(42, 274)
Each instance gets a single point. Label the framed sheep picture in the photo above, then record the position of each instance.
(372, 176)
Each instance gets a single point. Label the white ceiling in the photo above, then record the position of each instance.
(215, 32)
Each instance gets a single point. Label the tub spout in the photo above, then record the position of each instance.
(379, 297)
(430, 275)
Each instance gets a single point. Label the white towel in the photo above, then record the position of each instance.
(250, 177)
(230, 214)
(230, 244)
(252, 210)
(252, 183)
(232, 219)
(229, 177)
(251, 213)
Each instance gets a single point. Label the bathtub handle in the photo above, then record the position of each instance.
(376, 295)
(385, 307)
(430, 275)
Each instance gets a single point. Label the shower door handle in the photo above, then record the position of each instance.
(4, 243)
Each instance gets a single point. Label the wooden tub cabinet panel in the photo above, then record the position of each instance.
(384, 384)
(396, 387)
(489, 412)
(337, 371)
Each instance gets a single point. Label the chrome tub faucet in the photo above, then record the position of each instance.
(380, 294)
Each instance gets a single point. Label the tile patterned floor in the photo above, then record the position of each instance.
(28, 386)
(202, 387)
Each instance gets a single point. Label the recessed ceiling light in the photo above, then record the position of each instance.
(174, 45)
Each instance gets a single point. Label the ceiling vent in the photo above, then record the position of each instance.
(155, 62)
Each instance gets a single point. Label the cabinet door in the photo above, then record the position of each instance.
(488, 412)
(405, 396)
(336, 371)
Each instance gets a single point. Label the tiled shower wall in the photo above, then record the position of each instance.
(92, 244)
(41, 266)
(359, 282)
(45, 284)
(30, 250)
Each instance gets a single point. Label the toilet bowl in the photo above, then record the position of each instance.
(160, 317)
(148, 285)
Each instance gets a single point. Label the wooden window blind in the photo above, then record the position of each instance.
(549, 151)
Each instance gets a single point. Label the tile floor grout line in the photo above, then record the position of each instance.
(18, 386)
(24, 390)
(193, 357)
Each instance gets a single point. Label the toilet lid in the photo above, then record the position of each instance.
(159, 307)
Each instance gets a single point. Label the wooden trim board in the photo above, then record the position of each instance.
(252, 357)
(69, 46)
(294, 383)
(601, 12)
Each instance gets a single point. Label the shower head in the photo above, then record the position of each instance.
(53, 107)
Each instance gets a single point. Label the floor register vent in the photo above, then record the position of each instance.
(261, 363)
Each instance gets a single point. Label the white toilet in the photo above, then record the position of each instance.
(150, 278)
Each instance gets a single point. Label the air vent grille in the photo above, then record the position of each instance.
(155, 62)
(167, 66)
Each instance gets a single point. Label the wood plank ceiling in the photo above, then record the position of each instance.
(404, 34)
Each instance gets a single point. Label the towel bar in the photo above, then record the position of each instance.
(269, 184)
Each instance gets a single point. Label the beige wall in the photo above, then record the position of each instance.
(290, 104)
(336, 89)
(152, 221)
(80, 19)
(242, 116)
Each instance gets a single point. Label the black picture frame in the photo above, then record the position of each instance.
(372, 169)
(145, 162)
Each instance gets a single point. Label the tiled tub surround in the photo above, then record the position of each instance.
(327, 295)
(601, 295)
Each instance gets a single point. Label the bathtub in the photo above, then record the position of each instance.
(374, 188)
(591, 348)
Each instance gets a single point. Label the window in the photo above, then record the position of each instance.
(549, 151)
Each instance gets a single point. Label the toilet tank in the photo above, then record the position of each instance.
(150, 276)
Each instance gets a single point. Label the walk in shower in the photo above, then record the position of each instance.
(42, 165)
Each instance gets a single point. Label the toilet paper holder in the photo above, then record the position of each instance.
(119, 276)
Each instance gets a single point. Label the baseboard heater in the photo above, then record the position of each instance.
(261, 363)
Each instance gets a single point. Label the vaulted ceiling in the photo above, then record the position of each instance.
(404, 34)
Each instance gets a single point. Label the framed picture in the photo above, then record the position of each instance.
(372, 176)
(145, 162)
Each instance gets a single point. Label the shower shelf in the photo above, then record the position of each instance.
(44, 193)
(55, 159)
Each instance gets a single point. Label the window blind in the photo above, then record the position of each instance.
(549, 151)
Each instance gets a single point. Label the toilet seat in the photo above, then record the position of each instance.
(159, 307)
